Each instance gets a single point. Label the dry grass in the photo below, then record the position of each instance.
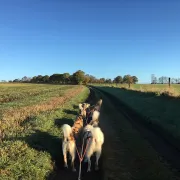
(164, 91)
(13, 117)
(30, 132)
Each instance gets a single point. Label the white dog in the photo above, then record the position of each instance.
(68, 145)
(95, 139)
(95, 118)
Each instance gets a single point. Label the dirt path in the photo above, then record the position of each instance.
(128, 152)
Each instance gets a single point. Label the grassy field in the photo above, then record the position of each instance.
(154, 103)
(158, 89)
(30, 120)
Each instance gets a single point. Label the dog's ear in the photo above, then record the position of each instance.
(80, 106)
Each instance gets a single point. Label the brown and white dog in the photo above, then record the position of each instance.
(70, 135)
(77, 126)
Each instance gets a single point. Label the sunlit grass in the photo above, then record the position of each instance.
(31, 147)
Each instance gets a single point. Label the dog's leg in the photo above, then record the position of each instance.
(72, 164)
(98, 154)
(64, 148)
(72, 160)
(89, 164)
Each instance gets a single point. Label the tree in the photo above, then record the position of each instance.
(39, 78)
(92, 79)
(86, 79)
(56, 78)
(45, 79)
(16, 80)
(78, 77)
(160, 80)
(118, 79)
(24, 79)
(102, 80)
(128, 79)
(34, 80)
(108, 81)
(135, 79)
(65, 78)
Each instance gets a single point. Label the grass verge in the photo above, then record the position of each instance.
(35, 151)
(159, 111)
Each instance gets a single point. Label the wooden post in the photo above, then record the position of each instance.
(169, 82)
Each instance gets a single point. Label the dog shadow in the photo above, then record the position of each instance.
(67, 111)
(75, 107)
(60, 122)
(43, 141)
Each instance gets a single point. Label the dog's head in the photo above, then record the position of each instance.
(83, 106)
(87, 131)
(88, 127)
(99, 103)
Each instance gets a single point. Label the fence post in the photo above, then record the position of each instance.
(169, 82)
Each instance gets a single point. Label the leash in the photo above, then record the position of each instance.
(81, 156)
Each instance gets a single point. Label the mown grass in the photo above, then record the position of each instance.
(13, 113)
(33, 149)
(9, 92)
(158, 110)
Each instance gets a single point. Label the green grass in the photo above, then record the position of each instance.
(159, 110)
(157, 88)
(32, 151)
(15, 93)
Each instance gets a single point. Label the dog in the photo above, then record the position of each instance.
(70, 135)
(90, 114)
(83, 107)
(68, 145)
(98, 105)
(95, 139)
(77, 126)
(95, 118)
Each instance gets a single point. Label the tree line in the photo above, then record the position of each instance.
(79, 77)
(164, 80)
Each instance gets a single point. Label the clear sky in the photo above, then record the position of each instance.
(104, 38)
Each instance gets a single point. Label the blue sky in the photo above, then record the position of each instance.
(103, 38)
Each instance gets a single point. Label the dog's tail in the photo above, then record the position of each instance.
(80, 106)
(95, 115)
(67, 130)
(99, 103)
